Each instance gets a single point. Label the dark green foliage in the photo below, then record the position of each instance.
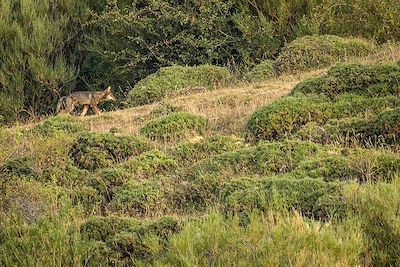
(59, 124)
(91, 150)
(368, 80)
(176, 78)
(174, 125)
(187, 153)
(150, 164)
(38, 48)
(124, 240)
(106, 180)
(318, 51)
(284, 117)
(262, 71)
(263, 159)
(18, 168)
(331, 168)
(148, 197)
(245, 195)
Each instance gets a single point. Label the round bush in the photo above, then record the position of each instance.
(176, 78)
(92, 150)
(150, 164)
(368, 80)
(319, 51)
(187, 153)
(174, 125)
(59, 124)
(263, 71)
(284, 117)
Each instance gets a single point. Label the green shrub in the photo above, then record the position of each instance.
(148, 197)
(174, 125)
(16, 168)
(91, 150)
(176, 78)
(59, 124)
(187, 153)
(263, 159)
(125, 240)
(331, 168)
(265, 193)
(319, 51)
(263, 71)
(149, 164)
(286, 116)
(368, 80)
(106, 180)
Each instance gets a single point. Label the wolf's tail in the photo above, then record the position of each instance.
(61, 103)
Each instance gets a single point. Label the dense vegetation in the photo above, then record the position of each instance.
(310, 179)
(51, 48)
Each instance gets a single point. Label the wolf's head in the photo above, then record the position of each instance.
(108, 95)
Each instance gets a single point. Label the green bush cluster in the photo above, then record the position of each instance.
(58, 124)
(312, 197)
(176, 78)
(318, 51)
(150, 164)
(262, 159)
(174, 125)
(186, 153)
(371, 80)
(141, 198)
(122, 241)
(18, 168)
(304, 114)
(92, 151)
(260, 72)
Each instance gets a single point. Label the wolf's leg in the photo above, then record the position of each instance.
(96, 110)
(85, 109)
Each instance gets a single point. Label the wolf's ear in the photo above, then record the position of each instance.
(108, 89)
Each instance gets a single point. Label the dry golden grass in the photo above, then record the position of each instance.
(227, 108)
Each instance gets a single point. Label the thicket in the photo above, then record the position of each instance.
(49, 49)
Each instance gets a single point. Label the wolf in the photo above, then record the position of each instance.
(87, 99)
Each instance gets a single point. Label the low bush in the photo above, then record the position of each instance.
(263, 71)
(18, 168)
(320, 51)
(59, 124)
(174, 125)
(284, 117)
(176, 78)
(329, 169)
(187, 153)
(308, 196)
(148, 197)
(368, 80)
(91, 150)
(124, 240)
(150, 164)
(263, 159)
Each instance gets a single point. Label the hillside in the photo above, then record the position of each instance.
(301, 169)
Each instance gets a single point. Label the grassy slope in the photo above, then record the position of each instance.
(227, 109)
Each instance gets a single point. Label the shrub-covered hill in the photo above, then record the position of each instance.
(196, 180)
